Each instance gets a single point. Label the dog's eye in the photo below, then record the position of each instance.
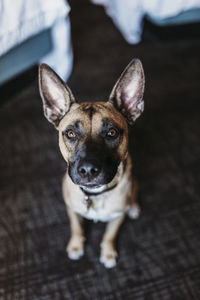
(70, 134)
(112, 132)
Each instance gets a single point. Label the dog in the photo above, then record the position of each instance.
(93, 139)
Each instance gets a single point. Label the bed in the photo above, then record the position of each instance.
(33, 31)
(128, 15)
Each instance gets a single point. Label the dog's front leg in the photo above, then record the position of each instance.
(75, 247)
(108, 252)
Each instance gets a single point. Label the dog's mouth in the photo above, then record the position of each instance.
(91, 186)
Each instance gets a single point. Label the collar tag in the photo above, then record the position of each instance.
(85, 200)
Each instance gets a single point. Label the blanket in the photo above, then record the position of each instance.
(128, 15)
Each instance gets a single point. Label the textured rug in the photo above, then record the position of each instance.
(159, 254)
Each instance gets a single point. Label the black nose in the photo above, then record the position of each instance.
(88, 169)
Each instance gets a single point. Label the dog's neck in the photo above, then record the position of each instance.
(90, 194)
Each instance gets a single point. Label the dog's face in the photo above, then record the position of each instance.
(93, 137)
(93, 140)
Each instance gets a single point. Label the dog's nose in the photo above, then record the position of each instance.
(88, 169)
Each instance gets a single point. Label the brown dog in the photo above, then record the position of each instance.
(93, 139)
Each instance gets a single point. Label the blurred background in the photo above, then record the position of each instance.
(89, 43)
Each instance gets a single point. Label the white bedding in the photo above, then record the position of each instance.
(128, 14)
(21, 19)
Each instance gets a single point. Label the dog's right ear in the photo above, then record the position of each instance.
(56, 95)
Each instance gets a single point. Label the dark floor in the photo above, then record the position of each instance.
(159, 254)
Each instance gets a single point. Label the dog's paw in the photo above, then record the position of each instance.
(75, 249)
(108, 262)
(75, 254)
(134, 212)
(108, 255)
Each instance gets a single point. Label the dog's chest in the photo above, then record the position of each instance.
(103, 208)
(99, 210)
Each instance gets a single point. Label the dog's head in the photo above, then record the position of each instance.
(93, 137)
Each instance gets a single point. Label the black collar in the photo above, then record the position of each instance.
(88, 194)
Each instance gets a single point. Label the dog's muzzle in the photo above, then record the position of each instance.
(93, 172)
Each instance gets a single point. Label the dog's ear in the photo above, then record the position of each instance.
(127, 94)
(56, 95)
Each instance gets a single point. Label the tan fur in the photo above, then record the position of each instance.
(110, 206)
(104, 110)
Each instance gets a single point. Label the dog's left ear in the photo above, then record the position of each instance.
(127, 94)
(56, 95)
